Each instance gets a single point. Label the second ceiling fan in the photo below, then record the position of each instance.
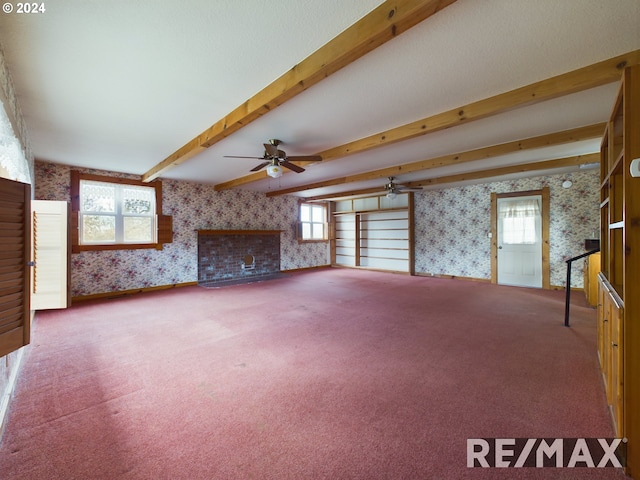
(393, 189)
(275, 159)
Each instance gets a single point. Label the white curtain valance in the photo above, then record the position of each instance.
(521, 208)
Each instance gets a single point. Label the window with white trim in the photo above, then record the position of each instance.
(313, 222)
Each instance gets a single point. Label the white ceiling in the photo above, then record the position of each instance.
(120, 85)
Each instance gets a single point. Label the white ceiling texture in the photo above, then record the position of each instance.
(121, 85)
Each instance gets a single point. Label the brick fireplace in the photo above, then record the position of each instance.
(237, 255)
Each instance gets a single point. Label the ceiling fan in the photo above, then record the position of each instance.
(393, 189)
(275, 159)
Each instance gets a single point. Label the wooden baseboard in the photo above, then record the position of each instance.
(561, 287)
(123, 293)
(318, 267)
(452, 277)
(371, 269)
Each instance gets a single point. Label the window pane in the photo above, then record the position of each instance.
(97, 197)
(98, 229)
(138, 201)
(306, 231)
(305, 213)
(138, 229)
(318, 213)
(318, 231)
(519, 230)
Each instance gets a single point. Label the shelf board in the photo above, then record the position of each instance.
(616, 225)
(618, 163)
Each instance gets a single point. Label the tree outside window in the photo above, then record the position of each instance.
(116, 213)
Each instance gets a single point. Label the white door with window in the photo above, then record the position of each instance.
(520, 241)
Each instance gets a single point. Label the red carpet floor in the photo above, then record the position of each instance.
(330, 374)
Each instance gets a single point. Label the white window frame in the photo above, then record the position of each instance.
(119, 215)
(313, 223)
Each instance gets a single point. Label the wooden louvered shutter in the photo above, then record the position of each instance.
(50, 282)
(165, 229)
(15, 250)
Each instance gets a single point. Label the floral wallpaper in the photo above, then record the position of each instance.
(452, 225)
(193, 206)
(451, 229)
(16, 156)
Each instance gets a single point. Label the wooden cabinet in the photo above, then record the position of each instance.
(619, 280)
(611, 349)
(591, 270)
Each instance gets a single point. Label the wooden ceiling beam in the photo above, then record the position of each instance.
(475, 175)
(589, 158)
(384, 23)
(558, 138)
(601, 73)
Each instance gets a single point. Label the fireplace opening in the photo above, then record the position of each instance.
(232, 256)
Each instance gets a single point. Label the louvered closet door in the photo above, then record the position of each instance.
(50, 274)
(15, 250)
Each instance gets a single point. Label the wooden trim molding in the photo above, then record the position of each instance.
(494, 237)
(452, 277)
(164, 224)
(239, 232)
(123, 293)
(546, 205)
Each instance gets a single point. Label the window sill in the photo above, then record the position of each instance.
(120, 246)
(300, 241)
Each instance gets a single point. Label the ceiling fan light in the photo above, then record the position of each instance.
(274, 171)
(391, 195)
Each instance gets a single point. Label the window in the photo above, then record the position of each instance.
(117, 213)
(519, 221)
(113, 213)
(313, 222)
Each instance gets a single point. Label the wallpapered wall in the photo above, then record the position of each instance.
(451, 229)
(193, 207)
(452, 225)
(16, 156)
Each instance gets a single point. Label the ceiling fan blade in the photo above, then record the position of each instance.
(406, 188)
(259, 167)
(291, 166)
(305, 158)
(272, 150)
(235, 156)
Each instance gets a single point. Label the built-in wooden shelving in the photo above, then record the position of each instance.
(619, 281)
